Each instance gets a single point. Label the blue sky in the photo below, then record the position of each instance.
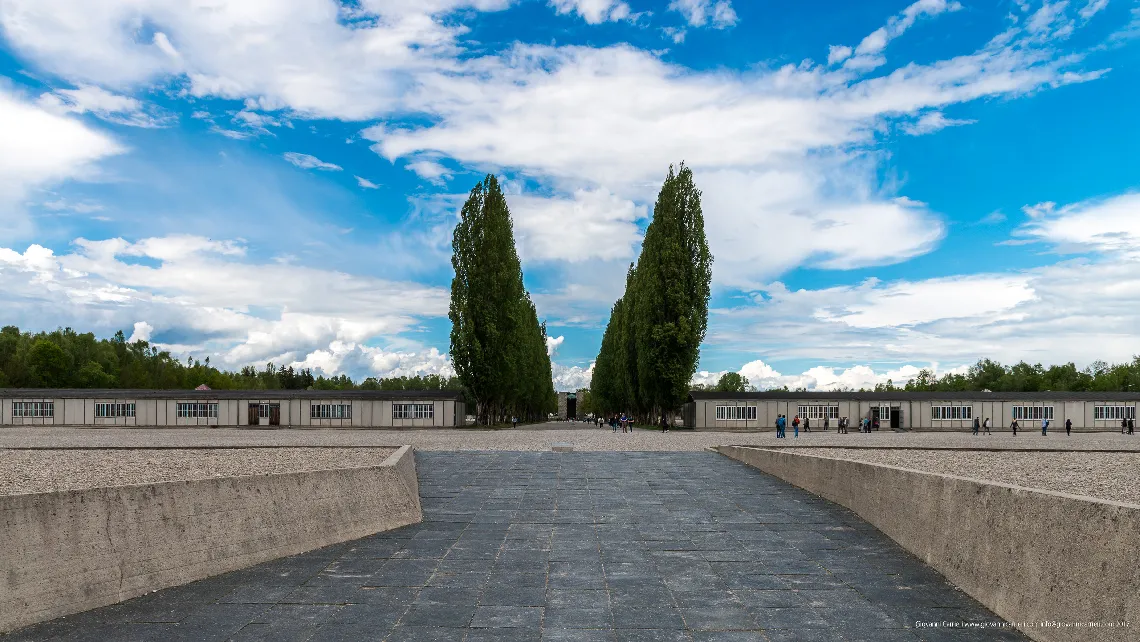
(887, 185)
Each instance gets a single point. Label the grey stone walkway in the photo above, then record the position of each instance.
(577, 547)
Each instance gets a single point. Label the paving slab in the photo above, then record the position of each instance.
(576, 546)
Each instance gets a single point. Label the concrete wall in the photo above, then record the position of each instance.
(1028, 555)
(67, 552)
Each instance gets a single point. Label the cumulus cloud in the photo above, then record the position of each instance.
(201, 294)
(571, 378)
(552, 344)
(594, 11)
(591, 224)
(305, 161)
(859, 377)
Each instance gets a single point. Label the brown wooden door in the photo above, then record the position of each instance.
(275, 414)
(253, 414)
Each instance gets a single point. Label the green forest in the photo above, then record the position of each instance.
(65, 358)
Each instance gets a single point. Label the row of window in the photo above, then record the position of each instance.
(1033, 413)
(103, 410)
(33, 408)
(819, 412)
(735, 413)
(330, 411)
(1114, 412)
(413, 411)
(198, 410)
(949, 413)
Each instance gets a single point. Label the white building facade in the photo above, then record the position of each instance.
(231, 408)
(926, 411)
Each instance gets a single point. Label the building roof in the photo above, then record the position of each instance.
(973, 395)
(203, 395)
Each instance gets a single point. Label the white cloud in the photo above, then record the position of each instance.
(867, 54)
(1101, 225)
(199, 294)
(64, 205)
(305, 161)
(552, 344)
(858, 377)
(142, 332)
(593, 11)
(932, 121)
(365, 183)
(838, 53)
(111, 107)
(603, 226)
(430, 170)
(39, 148)
(1092, 7)
(571, 378)
(303, 55)
(698, 13)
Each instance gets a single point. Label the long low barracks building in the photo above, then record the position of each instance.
(934, 411)
(232, 408)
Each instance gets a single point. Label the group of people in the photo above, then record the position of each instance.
(622, 420)
(865, 425)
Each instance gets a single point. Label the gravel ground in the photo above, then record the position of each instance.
(1110, 476)
(42, 471)
(591, 439)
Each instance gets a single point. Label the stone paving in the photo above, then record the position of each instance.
(575, 547)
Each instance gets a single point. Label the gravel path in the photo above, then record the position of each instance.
(1111, 476)
(589, 439)
(42, 471)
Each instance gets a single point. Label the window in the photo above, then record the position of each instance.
(951, 413)
(736, 413)
(1114, 412)
(33, 409)
(330, 411)
(198, 410)
(413, 411)
(105, 410)
(818, 412)
(1035, 413)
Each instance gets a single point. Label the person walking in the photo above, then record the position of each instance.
(1123, 425)
(826, 424)
(613, 423)
(514, 422)
(843, 425)
(664, 424)
(976, 426)
(1045, 427)
(796, 426)
(780, 427)
(807, 424)
(1131, 424)
(1068, 427)
(1013, 426)
(986, 425)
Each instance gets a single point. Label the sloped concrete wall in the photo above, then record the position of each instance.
(65, 552)
(1030, 556)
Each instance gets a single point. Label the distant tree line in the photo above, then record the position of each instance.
(498, 346)
(990, 375)
(651, 344)
(64, 358)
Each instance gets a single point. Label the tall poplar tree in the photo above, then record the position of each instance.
(652, 342)
(498, 347)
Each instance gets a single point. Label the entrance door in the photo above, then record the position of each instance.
(571, 407)
(253, 414)
(274, 414)
(896, 417)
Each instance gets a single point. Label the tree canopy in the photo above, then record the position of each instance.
(651, 344)
(64, 358)
(498, 345)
